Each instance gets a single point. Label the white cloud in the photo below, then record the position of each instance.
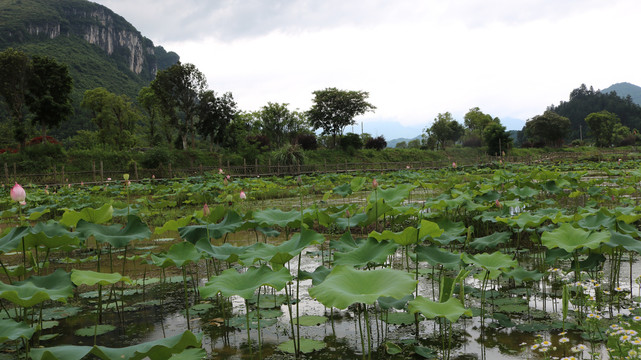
(415, 58)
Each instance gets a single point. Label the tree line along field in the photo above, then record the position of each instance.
(423, 263)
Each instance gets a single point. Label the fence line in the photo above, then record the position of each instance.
(97, 174)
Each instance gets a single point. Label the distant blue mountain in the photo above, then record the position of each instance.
(624, 89)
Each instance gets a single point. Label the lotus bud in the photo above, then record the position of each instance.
(108, 179)
(220, 171)
(225, 181)
(18, 194)
(346, 213)
(299, 180)
(206, 210)
(243, 195)
(125, 176)
(374, 183)
(454, 165)
(153, 176)
(498, 204)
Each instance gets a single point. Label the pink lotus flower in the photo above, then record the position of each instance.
(18, 194)
(153, 176)
(108, 179)
(374, 183)
(206, 210)
(346, 213)
(454, 165)
(498, 204)
(243, 195)
(220, 171)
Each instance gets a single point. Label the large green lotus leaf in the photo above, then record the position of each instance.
(116, 235)
(392, 196)
(88, 277)
(625, 241)
(97, 216)
(452, 309)
(449, 227)
(36, 213)
(13, 239)
(570, 238)
(276, 217)
(345, 286)
(306, 346)
(343, 190)
(357, 183)
(12, 330)
(161, 349)
(489, 196)
(345, 243)
(598, 221)
(231, 223)
(51, 235)
(525, 220)
(370, 251)
(523, 192)
(231, 282)
(190, 354)
(318, 276)
(279, 255)
(436, 256)
(36, 289)
(494, 262)
(387, 302)
(224, 252)
(355, 220)
(627, 214)
(173, 225)
(179, 255)
(408, 236)
(491, 241)
(520, 275)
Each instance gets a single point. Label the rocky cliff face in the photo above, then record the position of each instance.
(99, 26)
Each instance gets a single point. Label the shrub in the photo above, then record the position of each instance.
(156, 156)
(377, 143)
(289, 155)
(414, 144)
(401, 145)
(628, 140)
(472, 141)
(351, 140)
(261, 141)
(307, 141)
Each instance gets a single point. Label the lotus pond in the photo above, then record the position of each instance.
(497, 262)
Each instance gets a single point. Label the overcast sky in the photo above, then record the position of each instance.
(416, 58)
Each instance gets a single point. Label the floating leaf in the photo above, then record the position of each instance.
(392, 349)
(306, 346)
(98, 330)
(345, 286)
(400, 318)
(310, 320)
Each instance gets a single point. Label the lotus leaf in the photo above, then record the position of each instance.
(279, 255)
(386, 302)
(306, 346)
(12, 330)
(161, 349)
(231, 282)
(392, 196)
(88, 277)
(370, 251)
(51, 235)
(190, 354)
(95, 330)
(173, 225)
(520, 275)
(570, 238)
(229, 224)
(490, 241)
(436, 256)
(13, 239)
(179, 255)
(452, 309)
(116, 235)
(318, 276)
(598, 221)
(625, 241)
(345, 286)
(225, 252)
(36, 289)
(310, 320)
(410, 235)
(343, 190)
(346, 243)
(96, 216)
(276, 217)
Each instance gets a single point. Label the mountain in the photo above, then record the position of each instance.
(99, 46)
(392, 143)
(624, 89)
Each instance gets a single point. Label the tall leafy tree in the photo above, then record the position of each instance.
(606, 128)
(444, 129)
(334, 109)
(179, 88)
(496, 138)
(15, 69)
(476, 121)
(114, 115)
(280, 124)
(549, 129)
(156, 122)
(216, 113)
(49, 96)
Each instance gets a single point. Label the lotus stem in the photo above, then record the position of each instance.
(186, 296)
(291, 320)
(369, 333)
(249, 341)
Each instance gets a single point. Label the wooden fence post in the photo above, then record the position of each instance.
(136, 170)
(102, 171)
(62, 175)
(6, 172)
(15, 173)
(93, 170)
(256, 166)
(244, 166)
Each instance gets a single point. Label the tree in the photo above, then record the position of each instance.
(496, 138)
(15, 69)
(377, 143)
(216, 113)
(443, 129)
(606, 128)
(476, 121)
(157, 123)
(278, 123)
(49, 96)
(334, 109)
(114, 115)
(401, 145)
(178, 89)
(548, 129)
